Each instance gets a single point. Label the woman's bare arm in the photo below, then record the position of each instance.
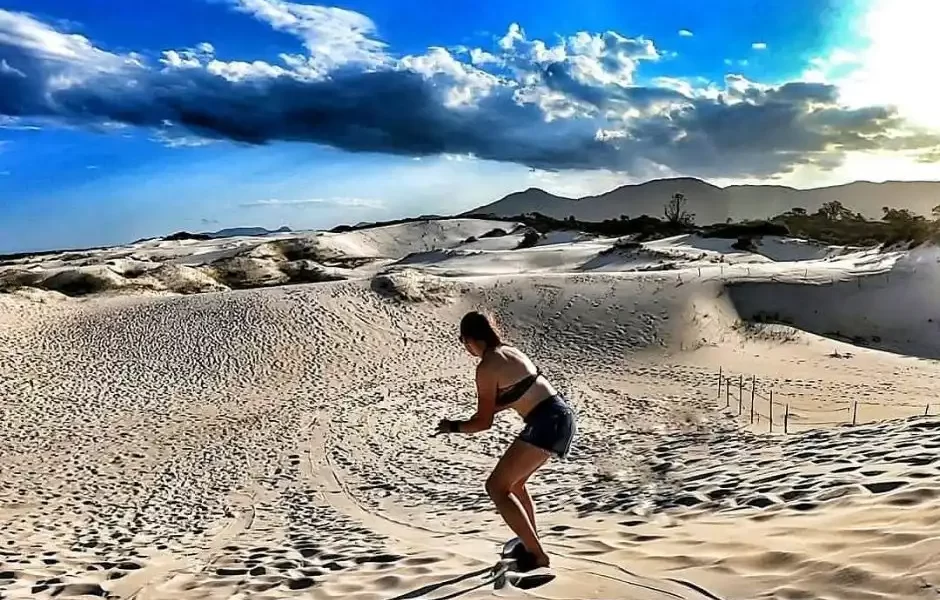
(486, 402)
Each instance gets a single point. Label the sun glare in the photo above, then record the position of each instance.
(896, 66)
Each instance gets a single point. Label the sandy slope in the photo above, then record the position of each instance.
(895, 310)
(274, 443)
(198, 266)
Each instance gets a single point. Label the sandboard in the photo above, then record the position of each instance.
(504, 571)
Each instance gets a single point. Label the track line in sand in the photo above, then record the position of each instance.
(145, 582)
(423, 591)
(336, 493)
(332, 488)
(239, 524)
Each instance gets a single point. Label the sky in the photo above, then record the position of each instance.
(122, 120)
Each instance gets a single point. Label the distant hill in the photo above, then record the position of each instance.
(712, 204)
(373, 224)
(185, 235)
(245, 231)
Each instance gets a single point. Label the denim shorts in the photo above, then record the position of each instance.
(550, 426)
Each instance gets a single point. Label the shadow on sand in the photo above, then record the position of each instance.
(422, 591)
(498, 580)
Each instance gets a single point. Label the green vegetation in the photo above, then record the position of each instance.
(834, 223)
(745, 229)
(529, 239)
(642, 227)
(676, 213)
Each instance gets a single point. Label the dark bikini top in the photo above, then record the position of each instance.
(515, 391)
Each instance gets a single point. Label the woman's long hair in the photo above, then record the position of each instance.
(476, 326)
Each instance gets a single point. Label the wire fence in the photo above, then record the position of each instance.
(741, 395)
(872, 273)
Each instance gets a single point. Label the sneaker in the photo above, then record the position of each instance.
(517, 552)
(525, 560)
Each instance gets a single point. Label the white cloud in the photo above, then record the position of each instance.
(683, 86)
(171, 137)
(203, 57)
(240, 70)
(482, 57)
(759, 45)
(333, 36)
(73, 51)
(337, 202)
(458, 157)
(513, 35)
(180, 60)
(685, 33)
(467, 84)
(16, 124)
(6, 69)
(828, 68)
(26, 32)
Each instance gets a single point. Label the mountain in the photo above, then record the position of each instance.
(531, 200)
(245, 231)
(713, 204)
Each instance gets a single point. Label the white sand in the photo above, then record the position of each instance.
(273, 443)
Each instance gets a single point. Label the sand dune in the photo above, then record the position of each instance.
(394, 241)
(197, 266)
(894, 310)
(774, 248)
(274, 442)
(454, 247)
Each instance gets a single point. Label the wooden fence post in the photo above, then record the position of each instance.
(771, 411)
(926, 409)
(727, 393)
(719, 382)
(753, 386)
(740, 394)
(786, 417)
(854, 412)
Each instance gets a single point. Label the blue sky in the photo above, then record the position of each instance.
(127, 120)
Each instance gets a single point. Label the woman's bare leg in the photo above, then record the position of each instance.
(522, 495)
(516, 465)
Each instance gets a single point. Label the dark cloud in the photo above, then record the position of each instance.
(558, 77)
(802, 92)
(23, 83)
(746, 130)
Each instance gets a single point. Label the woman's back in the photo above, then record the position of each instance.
(511, 368)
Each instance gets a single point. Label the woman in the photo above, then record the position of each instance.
(506, 378)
